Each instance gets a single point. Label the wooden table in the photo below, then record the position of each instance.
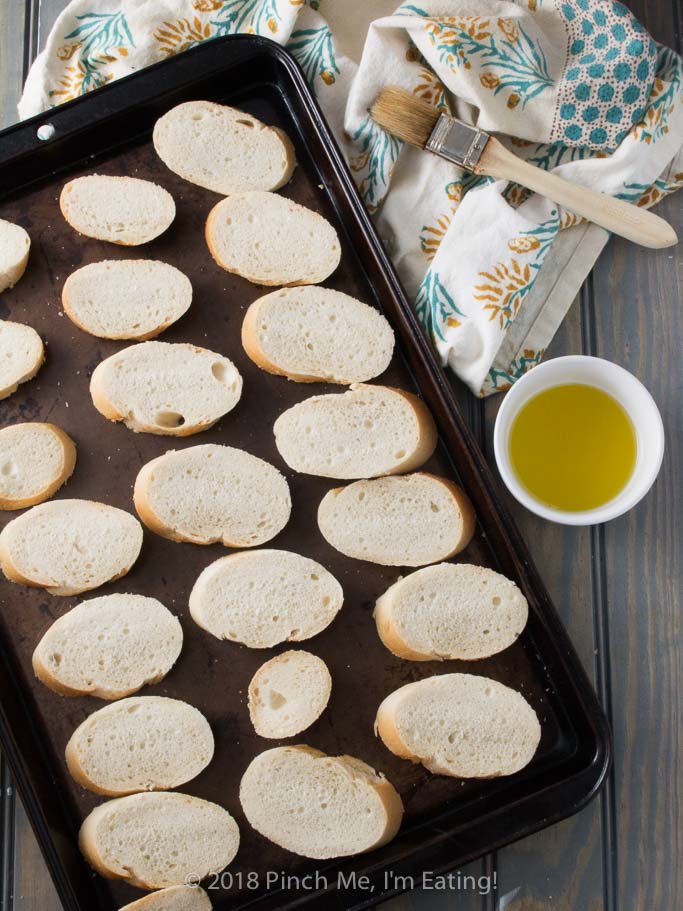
(618, 588)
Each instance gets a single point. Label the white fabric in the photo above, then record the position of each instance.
(577, 86)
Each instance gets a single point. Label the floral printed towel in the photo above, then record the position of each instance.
(575, 86)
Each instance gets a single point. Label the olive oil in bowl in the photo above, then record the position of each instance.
(572, 447)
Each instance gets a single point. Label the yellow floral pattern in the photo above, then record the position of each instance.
(174, 37)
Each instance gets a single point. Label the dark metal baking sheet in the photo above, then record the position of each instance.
(447, 821)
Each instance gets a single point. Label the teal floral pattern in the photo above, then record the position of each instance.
(314, 52)
(517, 63)
(500, 380)
(98, 41)
(101, 33)
(374, 162)
(260, 16)
(435, 308)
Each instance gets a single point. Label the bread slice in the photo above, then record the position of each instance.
(288, 693)
(209, 494)
(144, 743)
(265, 597)
(122, 210)
(35, 460)
(126, 298)
(310, 334)
(223, 149)
(175, 898)
(398, 521)
(15, 245)
(167, 389)
(450, 611)
(157, 840)
(21, 355)
(270, 240)
(108, 647)
(460, 725)
(69, 546)
(319, 806)
(363, 433)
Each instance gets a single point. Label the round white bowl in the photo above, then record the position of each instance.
(634, 399)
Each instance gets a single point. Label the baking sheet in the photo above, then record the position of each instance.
(447, 820)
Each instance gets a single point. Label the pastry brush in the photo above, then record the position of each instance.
(422, 125)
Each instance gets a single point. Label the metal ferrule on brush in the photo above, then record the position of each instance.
(457, 141)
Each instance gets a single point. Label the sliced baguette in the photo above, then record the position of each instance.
(143, 743)
(450, 611)
(15, 245)
(264, 597)
(69, 546)
(310, 334)
(398, 521)
(175, 898)
(35, 460)
(21, 355)
(209, 494)
(363, 433)
(108, 647)
(223, 149)
(166, 389)
(126, 298)
(460, 725)
(288, 693)
(319, 806)
(122, 210)
(270, 240)
(157, 840)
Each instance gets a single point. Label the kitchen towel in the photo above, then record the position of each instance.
(575, 86)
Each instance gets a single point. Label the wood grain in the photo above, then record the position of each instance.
(12, 43)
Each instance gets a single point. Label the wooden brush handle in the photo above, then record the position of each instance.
(623, 218)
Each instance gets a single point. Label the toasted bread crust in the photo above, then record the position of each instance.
(30, 373)
(68, 465)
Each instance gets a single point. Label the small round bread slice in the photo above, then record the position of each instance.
(450, 611)
(319, 806)
(270, 240)
(69, 546)
(208, 494)
(21, 355)
(15, 245)
(144, 743)
(363, 433)
(109, 647)
(35, 460)
(223, 149)
(121, 210)
(160, 839)
(126, 298)
(311, 334)
(170, 389)
(175, 898)
(460, 725)
(263, 597)
(288, 693)
(410, 520)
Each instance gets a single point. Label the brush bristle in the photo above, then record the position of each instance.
(404, 116)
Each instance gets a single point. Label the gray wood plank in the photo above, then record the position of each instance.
(12, 33)
(637, 324)
(560, 867)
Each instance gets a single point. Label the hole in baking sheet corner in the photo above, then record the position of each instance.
(169, 419)
(45, 132)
